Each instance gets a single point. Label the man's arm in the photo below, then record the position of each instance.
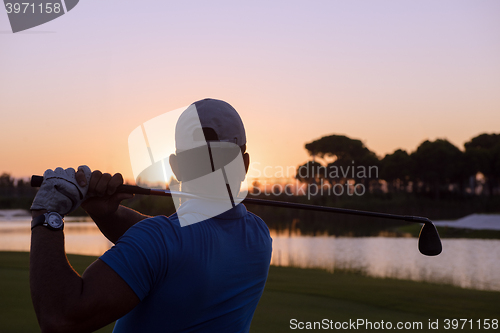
(66, 302)
(63, 300)
(115, 225)
(104, 207)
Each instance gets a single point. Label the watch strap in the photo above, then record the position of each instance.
(41, 220)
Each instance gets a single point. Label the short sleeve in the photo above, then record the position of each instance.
(139, 257)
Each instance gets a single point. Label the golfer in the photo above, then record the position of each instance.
(159, 276)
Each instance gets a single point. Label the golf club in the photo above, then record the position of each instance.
(429, 242)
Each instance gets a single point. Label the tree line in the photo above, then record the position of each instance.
(434, 168)
(15, 193)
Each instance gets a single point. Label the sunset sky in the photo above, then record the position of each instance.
(390, 73)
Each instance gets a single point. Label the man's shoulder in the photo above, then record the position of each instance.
(159, 221)
(170, 226)
(153, 227)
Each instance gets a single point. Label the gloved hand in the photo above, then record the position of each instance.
(60, 192)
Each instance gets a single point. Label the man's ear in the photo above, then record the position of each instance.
(246, 161)
(175, 167)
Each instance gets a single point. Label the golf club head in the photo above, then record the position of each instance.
(429, 242)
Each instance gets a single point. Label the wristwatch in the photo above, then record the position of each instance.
(51, 220)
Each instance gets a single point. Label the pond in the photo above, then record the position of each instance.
(468, 263)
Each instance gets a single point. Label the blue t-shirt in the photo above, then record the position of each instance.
(205, 277)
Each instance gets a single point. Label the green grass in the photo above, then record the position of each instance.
(310, 295)
(303, 294)
(16, 311)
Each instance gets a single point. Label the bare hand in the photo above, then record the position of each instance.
(103, 200)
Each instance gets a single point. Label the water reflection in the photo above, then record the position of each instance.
(80, 237)
(468, 263)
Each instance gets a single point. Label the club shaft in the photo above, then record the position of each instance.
(36, 181)
(408, 218)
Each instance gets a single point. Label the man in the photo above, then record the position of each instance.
(159, 276)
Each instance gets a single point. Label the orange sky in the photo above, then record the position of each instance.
(392, 74)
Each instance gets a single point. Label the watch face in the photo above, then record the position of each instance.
(54, 220)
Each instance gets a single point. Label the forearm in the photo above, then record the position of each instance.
(55, 287)
(64, 301)
(115, 225)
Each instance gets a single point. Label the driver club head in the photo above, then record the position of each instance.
(429, 242)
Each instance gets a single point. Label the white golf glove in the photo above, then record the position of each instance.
(60, 191)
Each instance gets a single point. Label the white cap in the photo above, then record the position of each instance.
(206, 114)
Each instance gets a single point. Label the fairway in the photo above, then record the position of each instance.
(16, 311)
(313, 295)
(291, 293)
